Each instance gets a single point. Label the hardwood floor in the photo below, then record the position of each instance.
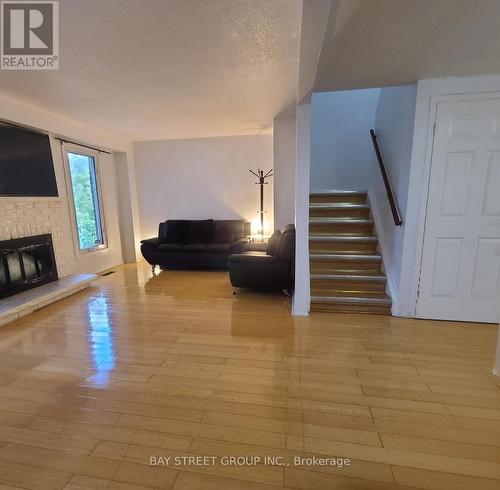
(94, 386)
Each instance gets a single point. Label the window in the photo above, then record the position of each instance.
(83, 187)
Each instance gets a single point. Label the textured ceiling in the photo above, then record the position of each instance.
(160, 69)
(374, 43)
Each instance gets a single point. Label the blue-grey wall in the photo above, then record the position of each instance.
(394, 127)
(341, 148)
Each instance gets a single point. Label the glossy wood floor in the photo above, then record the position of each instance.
(139, 367)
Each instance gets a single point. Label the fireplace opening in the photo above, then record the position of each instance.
(26, 263)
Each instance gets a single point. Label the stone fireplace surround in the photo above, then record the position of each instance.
(22, 217)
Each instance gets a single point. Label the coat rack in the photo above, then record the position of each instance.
(262, 182)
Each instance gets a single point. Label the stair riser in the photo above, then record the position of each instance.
(327, 287)
(334, 264)
(357, 229)
(350, 308)
(339, 198)
(342, 246)
(339, 213)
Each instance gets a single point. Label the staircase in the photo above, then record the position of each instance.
(345, 265)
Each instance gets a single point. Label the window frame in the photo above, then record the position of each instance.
(72, 148)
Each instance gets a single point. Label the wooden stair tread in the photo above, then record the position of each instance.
(339, 270)
(329, 250)
(349, 277)
(324, 237)
(333, 196)
(338, 205)
(345, 265)
(337, 192)
(341, 220)
(348, 293)
(345, 256)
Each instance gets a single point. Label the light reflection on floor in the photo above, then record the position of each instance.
(101, 340)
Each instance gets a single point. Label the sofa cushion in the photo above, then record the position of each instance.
(194, 247)
(227, 231)
(219, 247)
(200, 231)
(255, 247)
(169, 247)
(173, 231)
(252, 258)
(273, 243)
(239, 245)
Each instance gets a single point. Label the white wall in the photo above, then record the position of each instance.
(284, 131)
(341, 148)
(419, 175)
(12, 110)
(202, 178)
(302, 297)
(394, 128)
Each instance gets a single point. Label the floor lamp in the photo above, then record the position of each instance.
(262, 182)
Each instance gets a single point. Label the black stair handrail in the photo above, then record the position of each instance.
(398, 221)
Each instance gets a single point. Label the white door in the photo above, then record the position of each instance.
(460, 271)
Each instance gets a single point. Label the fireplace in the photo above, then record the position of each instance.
(26, 263)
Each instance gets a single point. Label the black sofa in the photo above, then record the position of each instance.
(195, 243)
(272, 269)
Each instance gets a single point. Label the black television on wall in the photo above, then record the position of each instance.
(26, 165)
